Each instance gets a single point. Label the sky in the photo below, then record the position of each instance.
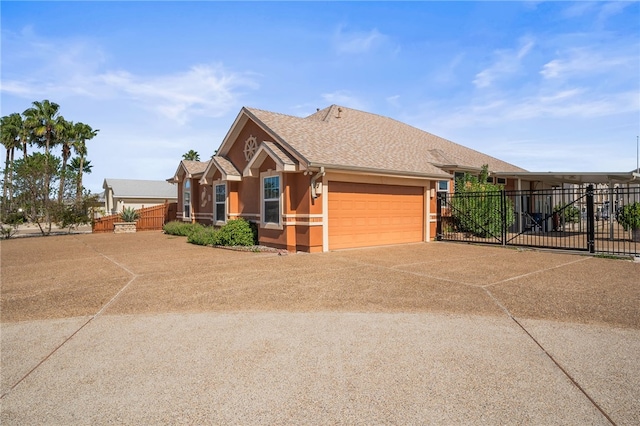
(547, 86)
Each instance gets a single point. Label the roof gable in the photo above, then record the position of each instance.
(283, 161)
(191, 169)
(345, 138)
(131, 188)
(226, 168)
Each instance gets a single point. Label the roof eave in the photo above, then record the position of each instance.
(381, 172)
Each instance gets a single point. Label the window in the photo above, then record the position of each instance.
(186, 200)
(501, 181)
(221, 198)
(271, 200)
(443, 186)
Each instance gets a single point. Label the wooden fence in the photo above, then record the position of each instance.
(151, 218)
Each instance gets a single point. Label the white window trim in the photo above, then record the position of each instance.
(446, 189)
(215, 202)
(186, 213)
(271, 225)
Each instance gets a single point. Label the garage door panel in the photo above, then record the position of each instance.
(363, 215)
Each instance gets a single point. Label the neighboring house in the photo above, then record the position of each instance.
(339, 178)
(121, 193)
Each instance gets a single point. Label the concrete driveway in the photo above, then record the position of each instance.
(147, 329)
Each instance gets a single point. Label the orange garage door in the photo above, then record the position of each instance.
(362, 215)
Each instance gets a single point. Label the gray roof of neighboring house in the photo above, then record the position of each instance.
(344, 137)
(131, 188)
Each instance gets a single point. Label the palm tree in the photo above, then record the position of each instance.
(10, 131)
(65, 136)
(42, 121)
(74, 166)
(191, 156)
(82, 133)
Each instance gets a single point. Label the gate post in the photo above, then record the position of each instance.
(591, 235)
(503, 208)
(439, 215)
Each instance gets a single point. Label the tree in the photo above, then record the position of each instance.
(82, 133)
(31, 173)
(78, 213)
(478, 207)
(43, 121)
(10, 131)
(76, 164)
(65, 136)
(191, 156)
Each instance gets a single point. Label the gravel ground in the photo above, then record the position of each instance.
(145, 328)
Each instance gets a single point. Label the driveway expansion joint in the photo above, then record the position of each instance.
(94, 316)
(548, 355)
(538, 271)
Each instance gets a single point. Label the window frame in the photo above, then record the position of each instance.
(186, 200)
(263, 222)
(448, 184)
(216, 220)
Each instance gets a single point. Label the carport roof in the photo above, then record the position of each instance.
(557, 178)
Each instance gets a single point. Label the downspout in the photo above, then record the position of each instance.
(314, 193)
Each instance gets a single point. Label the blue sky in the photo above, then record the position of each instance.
(548, 86)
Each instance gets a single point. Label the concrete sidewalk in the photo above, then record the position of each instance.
(428, 334)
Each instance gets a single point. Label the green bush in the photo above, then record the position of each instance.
(569, 212)
(15, 218)
(203, 236)
(477, 206)
(183, 229)
(238, 232)
(129, 214)
(629, 216)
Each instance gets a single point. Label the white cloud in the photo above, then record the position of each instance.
(507, 62)
(62, 69)
(358, 42)
(202, 90)
(344, 98)
(394, 101)
(586, 62)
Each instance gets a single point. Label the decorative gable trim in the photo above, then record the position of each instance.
(284, 162)
(227, 169)
(241, 120)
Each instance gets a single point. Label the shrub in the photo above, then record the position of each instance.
(183, 229)
(129, 214)
(15, 218)
(569, 212)
(477, 206)
(629, 216)
(237, 232)
(203, 236)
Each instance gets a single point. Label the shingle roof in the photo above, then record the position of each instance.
(227, 166)
(278, 152)
(195, 167)
(340, 136)
(130, 188)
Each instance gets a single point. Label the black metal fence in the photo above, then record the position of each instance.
(576, 218)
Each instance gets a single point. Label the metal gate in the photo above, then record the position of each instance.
(576, 218)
